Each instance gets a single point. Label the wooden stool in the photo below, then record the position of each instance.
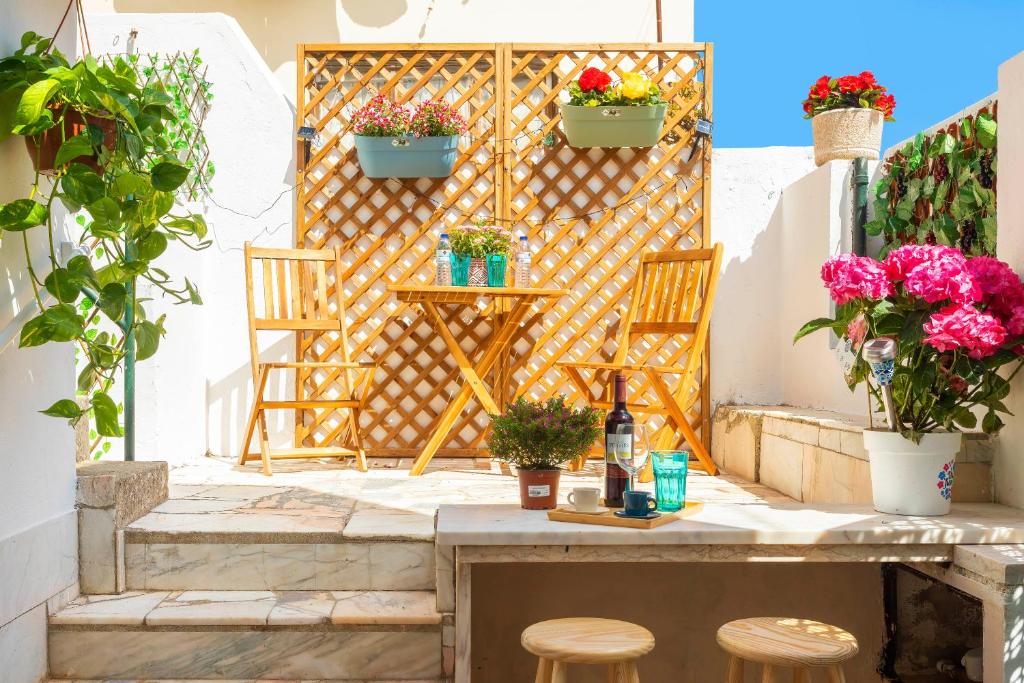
(799, 644)
(585, 640)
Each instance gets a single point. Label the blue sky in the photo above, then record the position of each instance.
(935, 56)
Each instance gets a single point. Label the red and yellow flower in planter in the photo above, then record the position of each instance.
(846, 116)
(601, 113)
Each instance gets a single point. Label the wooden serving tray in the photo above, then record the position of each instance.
(609, 518)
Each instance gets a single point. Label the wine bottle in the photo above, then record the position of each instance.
(618, 436)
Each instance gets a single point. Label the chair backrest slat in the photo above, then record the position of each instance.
(671, 288)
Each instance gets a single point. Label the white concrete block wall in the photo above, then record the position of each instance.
(1009, 465)
(38, 541)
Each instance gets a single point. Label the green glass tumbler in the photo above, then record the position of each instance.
(670, 479)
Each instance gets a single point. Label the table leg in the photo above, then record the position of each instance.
(499, 341)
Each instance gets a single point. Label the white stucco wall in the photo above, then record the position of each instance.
(38, 541)
(779, 218)
(274, 28)
(1009, 465)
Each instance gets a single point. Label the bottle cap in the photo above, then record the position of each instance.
(522, 238)
(444, 235)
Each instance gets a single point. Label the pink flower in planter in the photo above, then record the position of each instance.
(1002, 292)
(933, 273)
(850, 277)
(964, 327)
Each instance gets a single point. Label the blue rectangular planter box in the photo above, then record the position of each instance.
(407, 156)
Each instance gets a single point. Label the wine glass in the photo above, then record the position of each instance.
(633, 461)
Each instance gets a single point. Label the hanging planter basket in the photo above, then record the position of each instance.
(609, 126)
(43, 148)
(847, 134)
(407, 156)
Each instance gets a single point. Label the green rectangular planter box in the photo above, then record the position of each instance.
(407, 156)
(613, 126)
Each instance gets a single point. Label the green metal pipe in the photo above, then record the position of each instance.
(129, 362)
(858, 240)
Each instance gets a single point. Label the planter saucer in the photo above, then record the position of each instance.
(623, 515)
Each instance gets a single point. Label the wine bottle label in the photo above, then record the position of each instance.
(538, 491)
(617, 443)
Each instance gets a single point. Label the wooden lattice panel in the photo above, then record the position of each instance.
(588, 214)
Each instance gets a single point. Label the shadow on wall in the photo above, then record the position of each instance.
(266, 21)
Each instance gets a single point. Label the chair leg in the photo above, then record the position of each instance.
(357, 440)
(768, 673)
(734, 674)
(264, 444)
(677, 415)
(258, 387)
(543, 671)
(835, 674)
(623, 672)
(801, 675)
(559, 671)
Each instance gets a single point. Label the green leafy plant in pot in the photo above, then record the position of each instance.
(480, 255)
(538, 438)
(114, 166)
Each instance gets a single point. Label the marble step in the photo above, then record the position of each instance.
(248, 635)
(179, 547)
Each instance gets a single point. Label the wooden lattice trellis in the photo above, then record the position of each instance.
(588, 214)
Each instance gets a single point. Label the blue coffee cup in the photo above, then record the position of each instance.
(638, 503)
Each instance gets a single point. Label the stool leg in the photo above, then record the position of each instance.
(835, 674)
(543, 671)
(558, 672)
(735, 671)
(768, 674)
(623, 672)
(801, 675)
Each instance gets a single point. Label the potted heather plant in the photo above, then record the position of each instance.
(846, 116)
(480, 255)
(538, 438)
(956, 322)
(600, 113)
(394, 142)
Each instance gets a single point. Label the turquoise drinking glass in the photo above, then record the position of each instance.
(670, 479)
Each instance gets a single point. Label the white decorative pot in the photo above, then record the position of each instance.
(910, 478)
(847, 134)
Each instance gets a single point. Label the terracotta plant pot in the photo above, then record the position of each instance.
(847, 134)
(43, 148)
(538, 489)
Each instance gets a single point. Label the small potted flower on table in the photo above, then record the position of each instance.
(480, 255)
(602, 114)
(392, 142)
(846, 116)
(538, 438)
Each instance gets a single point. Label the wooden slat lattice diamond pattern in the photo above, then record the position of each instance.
(588, 214)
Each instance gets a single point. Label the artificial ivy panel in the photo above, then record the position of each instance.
(941, 188)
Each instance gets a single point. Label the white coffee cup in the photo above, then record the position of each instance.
(585, 499)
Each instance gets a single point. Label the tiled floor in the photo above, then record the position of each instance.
(333, 498)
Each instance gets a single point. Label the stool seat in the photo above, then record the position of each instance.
(587, 640)
(779, 641)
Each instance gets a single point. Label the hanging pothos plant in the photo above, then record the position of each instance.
(941, 189)
(110, 158)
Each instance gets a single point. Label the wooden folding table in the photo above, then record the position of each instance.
(510, 307)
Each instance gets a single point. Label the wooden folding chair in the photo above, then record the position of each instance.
(672, 294)
(295, 298)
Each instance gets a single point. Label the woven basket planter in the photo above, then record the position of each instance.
(613, 126)
(847, 134)
(407, 156)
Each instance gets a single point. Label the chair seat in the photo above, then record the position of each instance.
(587, 640)
(787, 642)
(621, 367)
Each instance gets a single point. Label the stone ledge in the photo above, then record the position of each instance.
(817, 456)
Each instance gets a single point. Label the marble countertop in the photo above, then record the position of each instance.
(725, 523)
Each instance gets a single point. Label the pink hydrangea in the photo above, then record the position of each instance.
(933, 273)
(850, 277)
(1002, 292)
(964, 327)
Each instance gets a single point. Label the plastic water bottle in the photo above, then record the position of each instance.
(443, 261)
(524, 263)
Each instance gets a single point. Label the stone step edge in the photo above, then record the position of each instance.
(251, 610)
(190, 537)
(237, 680)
